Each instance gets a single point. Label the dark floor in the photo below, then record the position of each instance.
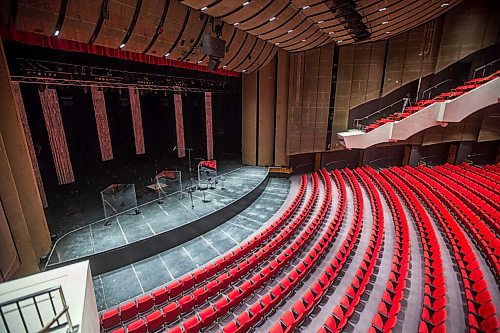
(122, 284)
(155, 218)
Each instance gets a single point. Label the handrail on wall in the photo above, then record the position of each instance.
(483, 67)
(433, 87)
(356, 121)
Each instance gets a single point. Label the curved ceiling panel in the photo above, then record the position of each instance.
(252, 29)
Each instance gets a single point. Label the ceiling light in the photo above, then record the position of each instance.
(277, 43)
(204, 8)
(199, 61)
(122, 46)
(291, 30)
(445, 4)
(235, 24)
(224, 66)
(56, 33)
(387, 32)
(246, 3)
(303, 40)
(272, 19)
(339, 41)
(243, 71)
(166, 55)
(382, 9)
(319, 22)
(385, 22)
(330, 33)
(305, 7)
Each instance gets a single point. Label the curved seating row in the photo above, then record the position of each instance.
(481, 314)
(480, 232)
(434, 298)
(390, 306)
(236, 295)
(147, 303)
(278, 261)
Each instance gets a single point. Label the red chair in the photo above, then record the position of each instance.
(174, 289)
(186, 303)
(208, 316)
(171, 311)
(200, 295)
(110, 319)
(187, 282)
(128, 311)
(200, 275)
(160, 296)
(154, 321)
(222, 306)
(138, 326)
(145, 303)
(192, 325)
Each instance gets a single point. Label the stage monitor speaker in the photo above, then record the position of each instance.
(213, 46)
(214, 63)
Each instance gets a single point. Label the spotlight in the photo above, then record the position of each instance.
(122, 46)
(56, 33)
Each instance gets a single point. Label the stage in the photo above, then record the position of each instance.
(160, 226)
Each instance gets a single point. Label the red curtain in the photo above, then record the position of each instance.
(101, 120)
(57, 137)
(208, 125)
(18, 98)
(179, 125)
(135, 107)
(69, 45)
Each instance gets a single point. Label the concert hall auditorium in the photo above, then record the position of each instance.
(232, 166)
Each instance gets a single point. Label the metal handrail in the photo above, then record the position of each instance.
(357, 120)
(483, 67)
(46, 327)
(433, 87)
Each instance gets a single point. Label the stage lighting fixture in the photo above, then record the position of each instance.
(214, 63)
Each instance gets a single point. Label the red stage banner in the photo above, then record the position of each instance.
(208, 125)
(135, 107)
(101, 120)
(18, 98)
(57, 137)
(179, 124)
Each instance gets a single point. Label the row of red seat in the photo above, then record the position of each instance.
(443, 188)
(433, 312)
(236, 295)
(270, 301)
(302, 307)
(486, 178)
(390, 305)
(454, 93)
(481, 200)
(352, 297)
(481, 314)
(148, 302)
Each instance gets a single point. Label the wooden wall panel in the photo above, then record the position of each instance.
(309, 100)
(267, 80)
(9, 260)
(396, 56)
(342, 93)
(433, 135)
(282, 80)
(468, 28)
(175, 17)
(294, 124)
(249, 119)
(472, 125)
(360, 72)
(376, 70)
(490, 127)
(323, 102)
(453, 132)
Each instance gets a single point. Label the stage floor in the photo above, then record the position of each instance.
(154, 218)
(120, 285)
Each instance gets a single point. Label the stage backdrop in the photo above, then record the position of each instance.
(208, 125)
(101, 119)
(57, 137)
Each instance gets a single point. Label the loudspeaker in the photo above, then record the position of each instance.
(213, 46)
(214, 63)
